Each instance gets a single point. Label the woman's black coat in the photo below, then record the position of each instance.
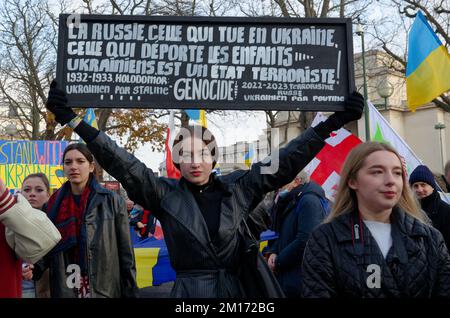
(417, 265)
(204, 269)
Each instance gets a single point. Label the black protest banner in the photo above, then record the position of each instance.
(203, 62)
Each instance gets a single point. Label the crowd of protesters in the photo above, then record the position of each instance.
(374, 240)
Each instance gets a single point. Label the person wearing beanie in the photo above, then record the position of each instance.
(424, 186)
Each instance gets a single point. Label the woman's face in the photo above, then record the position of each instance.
(378, 184)
(77, 167)
(195, 161)
(35, 191)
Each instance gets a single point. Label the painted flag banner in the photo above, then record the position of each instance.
(428, 68)
(325, 168)
(19, 158)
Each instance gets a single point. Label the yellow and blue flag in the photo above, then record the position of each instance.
(152, 262)
(428, 68)
(90, 118)
(198, 115)
(153, 266)
(249, 156)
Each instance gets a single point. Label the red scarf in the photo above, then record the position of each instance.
(68, 217)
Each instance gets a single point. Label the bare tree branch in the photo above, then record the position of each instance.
(116, 7)
(282, 5)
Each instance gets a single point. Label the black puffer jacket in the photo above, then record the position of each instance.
(417, 265)
(204, 268)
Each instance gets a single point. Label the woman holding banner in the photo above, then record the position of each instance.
(94, 258)
(375, 243)
(204, 216)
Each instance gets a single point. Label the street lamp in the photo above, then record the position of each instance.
(440, 126)
(11, 130)
(360, 32)
(385, 89)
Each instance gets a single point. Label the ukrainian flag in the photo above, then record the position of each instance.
(249, 155)
(428, 68)
(198, 115)
(90, 118)
(152, 263)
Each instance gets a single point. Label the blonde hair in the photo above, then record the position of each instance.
(346, 197)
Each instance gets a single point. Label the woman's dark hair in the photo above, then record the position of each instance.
(200, 133)
(81, 147)
(40, 175)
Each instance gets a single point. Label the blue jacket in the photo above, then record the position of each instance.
(298, 220)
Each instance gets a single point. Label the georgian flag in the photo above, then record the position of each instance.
(325, 168)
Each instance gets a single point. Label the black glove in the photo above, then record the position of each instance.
(353, 110)
(57, 104)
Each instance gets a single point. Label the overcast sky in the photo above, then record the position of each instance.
(234, 127)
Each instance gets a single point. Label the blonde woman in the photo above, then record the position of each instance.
(375, 243)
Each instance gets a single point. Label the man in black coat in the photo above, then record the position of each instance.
(424, 186)
(295, 223)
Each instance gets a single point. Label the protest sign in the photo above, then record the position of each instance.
(20, 158)
(199, 62)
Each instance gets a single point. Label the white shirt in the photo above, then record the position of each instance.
(381, 232)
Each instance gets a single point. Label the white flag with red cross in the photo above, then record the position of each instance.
(326, 167)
